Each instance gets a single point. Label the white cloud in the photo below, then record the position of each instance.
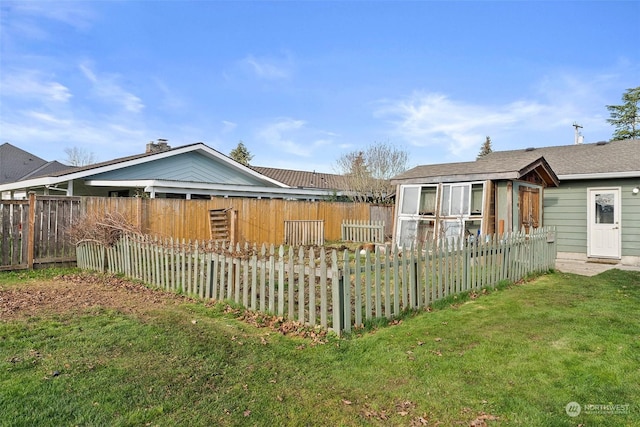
(435, 120)
(544, 118)
(74, 14)
(294, 137)
(269, 68)
(47, 133)
(33, 84)
(170, 99)
(278, 134)
(47, 119)
(28, 19)
(228, 126)
(107, 88)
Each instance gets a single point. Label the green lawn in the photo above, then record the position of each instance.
(515, 356)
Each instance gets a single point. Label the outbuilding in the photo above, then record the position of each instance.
(470, 199)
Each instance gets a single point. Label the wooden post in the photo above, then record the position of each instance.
(337, 287)
(510, 221)
(139, 214)
(32, 228)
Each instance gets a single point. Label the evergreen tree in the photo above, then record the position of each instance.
(626, 117)
(241, 154)
(486, 148)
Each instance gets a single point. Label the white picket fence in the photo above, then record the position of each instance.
(363, 231)
(304, 232)
(321, 286)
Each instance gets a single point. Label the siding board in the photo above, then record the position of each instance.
(566, 209)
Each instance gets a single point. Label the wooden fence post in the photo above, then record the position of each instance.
(338, 292)
(32, 227)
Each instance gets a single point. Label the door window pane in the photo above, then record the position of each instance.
(408, 233)
(604, 208)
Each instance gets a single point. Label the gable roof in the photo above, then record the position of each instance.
(17, 164)
(111, 166)
(304, 179)
(494, 169)
(581, 161)
(189, 169)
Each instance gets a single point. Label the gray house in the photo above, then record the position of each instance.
(192, 171)
(596, 207)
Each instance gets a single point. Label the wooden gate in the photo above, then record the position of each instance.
(14, 217)
(34, 231)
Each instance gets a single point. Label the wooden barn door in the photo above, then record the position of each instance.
(529, 208)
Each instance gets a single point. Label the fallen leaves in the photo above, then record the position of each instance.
(281, 325)
(82, 292)
(481, 420)
(405, 410)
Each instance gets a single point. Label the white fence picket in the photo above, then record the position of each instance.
(312, 288)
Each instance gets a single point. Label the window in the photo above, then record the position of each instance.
(419, 200)
(477, 193)
(410, 200)
(428, 201)
(453, 211)
(455, 199)
(604, 208)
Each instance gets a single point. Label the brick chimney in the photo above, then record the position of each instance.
(159, 147)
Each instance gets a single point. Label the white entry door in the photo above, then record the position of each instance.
(604, 223)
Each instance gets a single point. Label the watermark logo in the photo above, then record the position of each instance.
(573, 409)
(608, 409)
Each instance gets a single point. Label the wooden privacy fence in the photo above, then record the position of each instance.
(33, 231)
(322, 286)
(255, 220)
(363, 231)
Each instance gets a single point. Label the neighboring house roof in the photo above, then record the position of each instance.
(479, 171)
(194, 168)
(304, 179)
(17, 164)
(614, 159)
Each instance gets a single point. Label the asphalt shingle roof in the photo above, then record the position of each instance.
(575, 159)
(304, 179)
(478, 170)
(17, 164)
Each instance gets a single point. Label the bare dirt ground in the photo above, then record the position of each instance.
(80, 293)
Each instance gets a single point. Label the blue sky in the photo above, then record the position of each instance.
(303, 83)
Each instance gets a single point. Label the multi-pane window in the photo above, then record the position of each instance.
(455, 199)
(450, 210)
